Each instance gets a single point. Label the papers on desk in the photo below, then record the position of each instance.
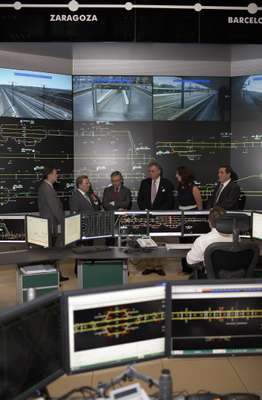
(178, 246)
(38, 269)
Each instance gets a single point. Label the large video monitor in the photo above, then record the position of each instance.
(12, 228)
(112, 98)
(191, 98)
(33, 94)
(38, 231)
(72, 229)
(257, 225)
(115, 326)
(211, 319)
(30, 347)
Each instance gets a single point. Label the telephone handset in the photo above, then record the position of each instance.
(146, 243)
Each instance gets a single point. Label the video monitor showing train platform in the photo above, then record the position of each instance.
(247, 98)
(31, 94)
(191, 98)
(112, 98)
(12, 228)
(116, 327)
(216, 319)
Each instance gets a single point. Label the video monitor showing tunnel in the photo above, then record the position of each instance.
(30, 94)
(191, 98)
(247, 98)
(112, 98)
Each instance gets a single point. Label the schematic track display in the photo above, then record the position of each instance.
(109, 326)
(26, 147)
(101, 148)
(202, 324)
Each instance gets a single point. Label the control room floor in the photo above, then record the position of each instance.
(8, 296)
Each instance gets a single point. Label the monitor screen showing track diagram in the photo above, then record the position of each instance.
(31, 94)
(191, 98)
(107, 329)
(112, 98)
(101, 148)
(26, 148)
(217, 320)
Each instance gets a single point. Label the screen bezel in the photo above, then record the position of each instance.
(49, 232)
(22, 309)
(252, 221)
(202, 282)
(107, 289)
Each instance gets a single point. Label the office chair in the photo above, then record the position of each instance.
(225, 260)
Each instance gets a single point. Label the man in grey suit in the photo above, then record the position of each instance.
(49, 205)
(83, 198)
(117, 196)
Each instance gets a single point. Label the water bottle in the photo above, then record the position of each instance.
(165, 385)
(31, 294)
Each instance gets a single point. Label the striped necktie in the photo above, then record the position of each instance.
(153, 191)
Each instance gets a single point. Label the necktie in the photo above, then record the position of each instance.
(153, 191)
(88, 199)
(219, 192)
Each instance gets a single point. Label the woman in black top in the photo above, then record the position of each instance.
(188, 194)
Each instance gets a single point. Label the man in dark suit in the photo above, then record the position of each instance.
(83, 198)
(117, 196)
(156, 192)
(49, 205)
(227, 192)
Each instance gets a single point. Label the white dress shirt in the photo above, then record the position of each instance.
(196, 254)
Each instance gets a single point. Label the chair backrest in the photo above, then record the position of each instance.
(225, 260)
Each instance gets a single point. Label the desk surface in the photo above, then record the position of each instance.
(117, 253)
(219, 375)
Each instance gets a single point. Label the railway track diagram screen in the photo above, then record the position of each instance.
(114, 327)
(217, 320)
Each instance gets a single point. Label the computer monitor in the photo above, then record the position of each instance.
(257, 225)
(114, 326)
(99, 224)
(72, 229)
(211, 319)
(30, 347)
(38, 231)
(195, 223)
(12, 228)
(165, 223)
(132, 223)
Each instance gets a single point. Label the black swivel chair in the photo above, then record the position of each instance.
(225, 260)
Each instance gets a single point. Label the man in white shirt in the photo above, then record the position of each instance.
(196, 254)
